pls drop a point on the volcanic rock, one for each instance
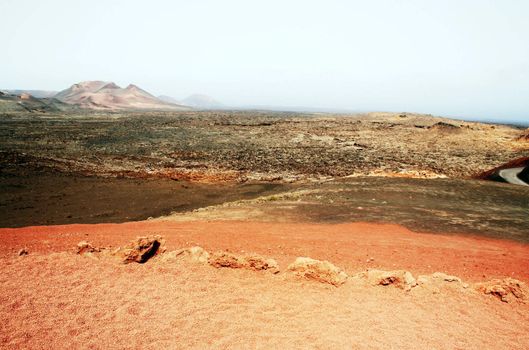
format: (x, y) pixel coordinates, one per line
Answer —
(251, 262)
(85, 247)
(258, 263)
(398, 278)
(224, 259)
(321, 271)
(141, 249)
(507, 289)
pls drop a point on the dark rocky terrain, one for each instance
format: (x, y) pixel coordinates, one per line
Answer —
(59, 168)
(243, 146)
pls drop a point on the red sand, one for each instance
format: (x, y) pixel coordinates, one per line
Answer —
(347, 245)
(52, 299)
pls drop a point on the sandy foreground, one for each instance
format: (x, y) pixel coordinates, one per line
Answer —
(53, 298)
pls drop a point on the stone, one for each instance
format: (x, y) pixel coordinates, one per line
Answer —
(398, 278)
(225, 259)
(507, 289)
(250, 262)
(258, 263)
(84, 247)
(141, 249)
(318, 270)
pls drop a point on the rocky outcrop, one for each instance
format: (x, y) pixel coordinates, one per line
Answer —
(141, 249)
(251, 262)
(398, 278)
(318, 270)
(507, 290)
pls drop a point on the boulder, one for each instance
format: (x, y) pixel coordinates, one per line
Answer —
(251, 262)
(318, 270)
(141, 249)
(507, 289)
(225, 259)
(258, 263)
(398, 278)
(84, 247)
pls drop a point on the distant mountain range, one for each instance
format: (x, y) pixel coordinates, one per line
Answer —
(34, 93)
(108, 95)
(202, 101)
(197, 101)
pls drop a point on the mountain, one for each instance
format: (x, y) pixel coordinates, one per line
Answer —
(108, 95)
(34, 93)
(168, 99)
(202, 102)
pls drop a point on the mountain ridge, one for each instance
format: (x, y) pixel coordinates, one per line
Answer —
(104, 95)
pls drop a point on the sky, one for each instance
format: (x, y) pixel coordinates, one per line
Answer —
(463, 58)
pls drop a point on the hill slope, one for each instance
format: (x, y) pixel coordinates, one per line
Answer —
(34, 93)
(28, 103)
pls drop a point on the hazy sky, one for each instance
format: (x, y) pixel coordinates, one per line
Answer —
(458, 58)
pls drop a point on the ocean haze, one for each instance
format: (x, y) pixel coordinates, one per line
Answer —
(466, 59)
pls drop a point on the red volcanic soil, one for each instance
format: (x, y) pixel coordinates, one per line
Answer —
(55, 299)
(349, 245)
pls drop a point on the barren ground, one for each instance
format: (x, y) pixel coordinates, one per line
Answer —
(53, 298)
(363, 192)
(241, 146)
